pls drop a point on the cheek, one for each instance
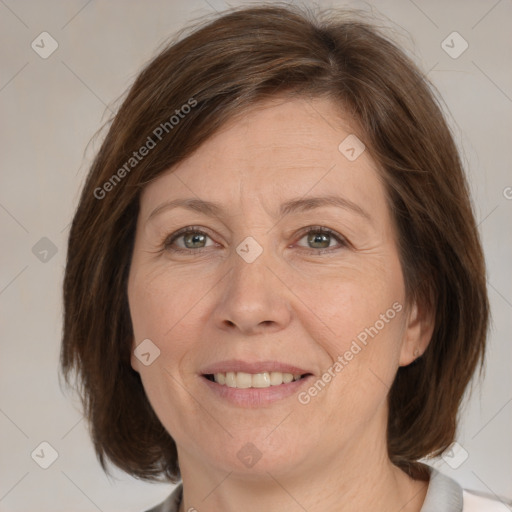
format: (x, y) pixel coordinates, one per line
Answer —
(158, 314)
(361, 317)
(162, 302)
(362, 364)
(356, 305)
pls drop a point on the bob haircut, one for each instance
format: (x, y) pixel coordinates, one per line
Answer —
(181, 98)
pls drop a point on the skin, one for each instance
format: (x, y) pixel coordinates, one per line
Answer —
(293, 304)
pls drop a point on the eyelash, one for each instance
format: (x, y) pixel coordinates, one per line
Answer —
(197, 230)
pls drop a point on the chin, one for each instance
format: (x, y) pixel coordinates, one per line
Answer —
(256, 459)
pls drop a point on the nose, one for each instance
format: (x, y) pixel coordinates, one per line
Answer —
(254, 298)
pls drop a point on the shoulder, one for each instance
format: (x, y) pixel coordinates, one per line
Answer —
(442, 489)
(444, 494)
(474, 502)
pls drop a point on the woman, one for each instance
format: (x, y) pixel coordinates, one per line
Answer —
(275, 289)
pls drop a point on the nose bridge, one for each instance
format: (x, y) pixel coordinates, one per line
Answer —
(253, 296)
(251, 262)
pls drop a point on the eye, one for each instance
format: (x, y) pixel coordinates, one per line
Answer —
(320, 238)
(191, 237)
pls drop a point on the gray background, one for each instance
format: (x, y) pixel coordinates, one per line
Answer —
(51, 108)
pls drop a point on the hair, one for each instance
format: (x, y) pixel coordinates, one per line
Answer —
(219, 70)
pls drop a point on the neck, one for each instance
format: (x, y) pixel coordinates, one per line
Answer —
(350, 481)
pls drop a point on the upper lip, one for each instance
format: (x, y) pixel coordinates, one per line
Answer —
(237, 365)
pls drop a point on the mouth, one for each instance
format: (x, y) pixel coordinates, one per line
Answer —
(254, 384)
(245, 380)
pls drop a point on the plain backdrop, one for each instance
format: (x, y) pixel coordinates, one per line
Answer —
(51, 107)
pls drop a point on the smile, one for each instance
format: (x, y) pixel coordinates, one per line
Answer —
(244, 380)
(254, 383)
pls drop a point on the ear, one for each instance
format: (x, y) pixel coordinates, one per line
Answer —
(417, 333)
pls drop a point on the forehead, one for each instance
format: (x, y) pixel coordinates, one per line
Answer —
(276, 150)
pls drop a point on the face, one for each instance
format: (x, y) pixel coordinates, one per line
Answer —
(266, 276)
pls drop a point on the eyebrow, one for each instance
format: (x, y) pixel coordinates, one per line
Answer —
(290, 206)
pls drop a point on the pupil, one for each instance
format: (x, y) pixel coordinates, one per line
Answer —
(313, 238)
(194, 238)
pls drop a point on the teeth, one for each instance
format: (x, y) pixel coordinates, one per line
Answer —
(276, 378)
(245, 380)
(287, 377)
(230, 379)
(260, 380)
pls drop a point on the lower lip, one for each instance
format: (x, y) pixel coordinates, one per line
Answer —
(256, 397)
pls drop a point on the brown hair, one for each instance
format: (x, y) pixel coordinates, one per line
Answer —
(217, 71)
